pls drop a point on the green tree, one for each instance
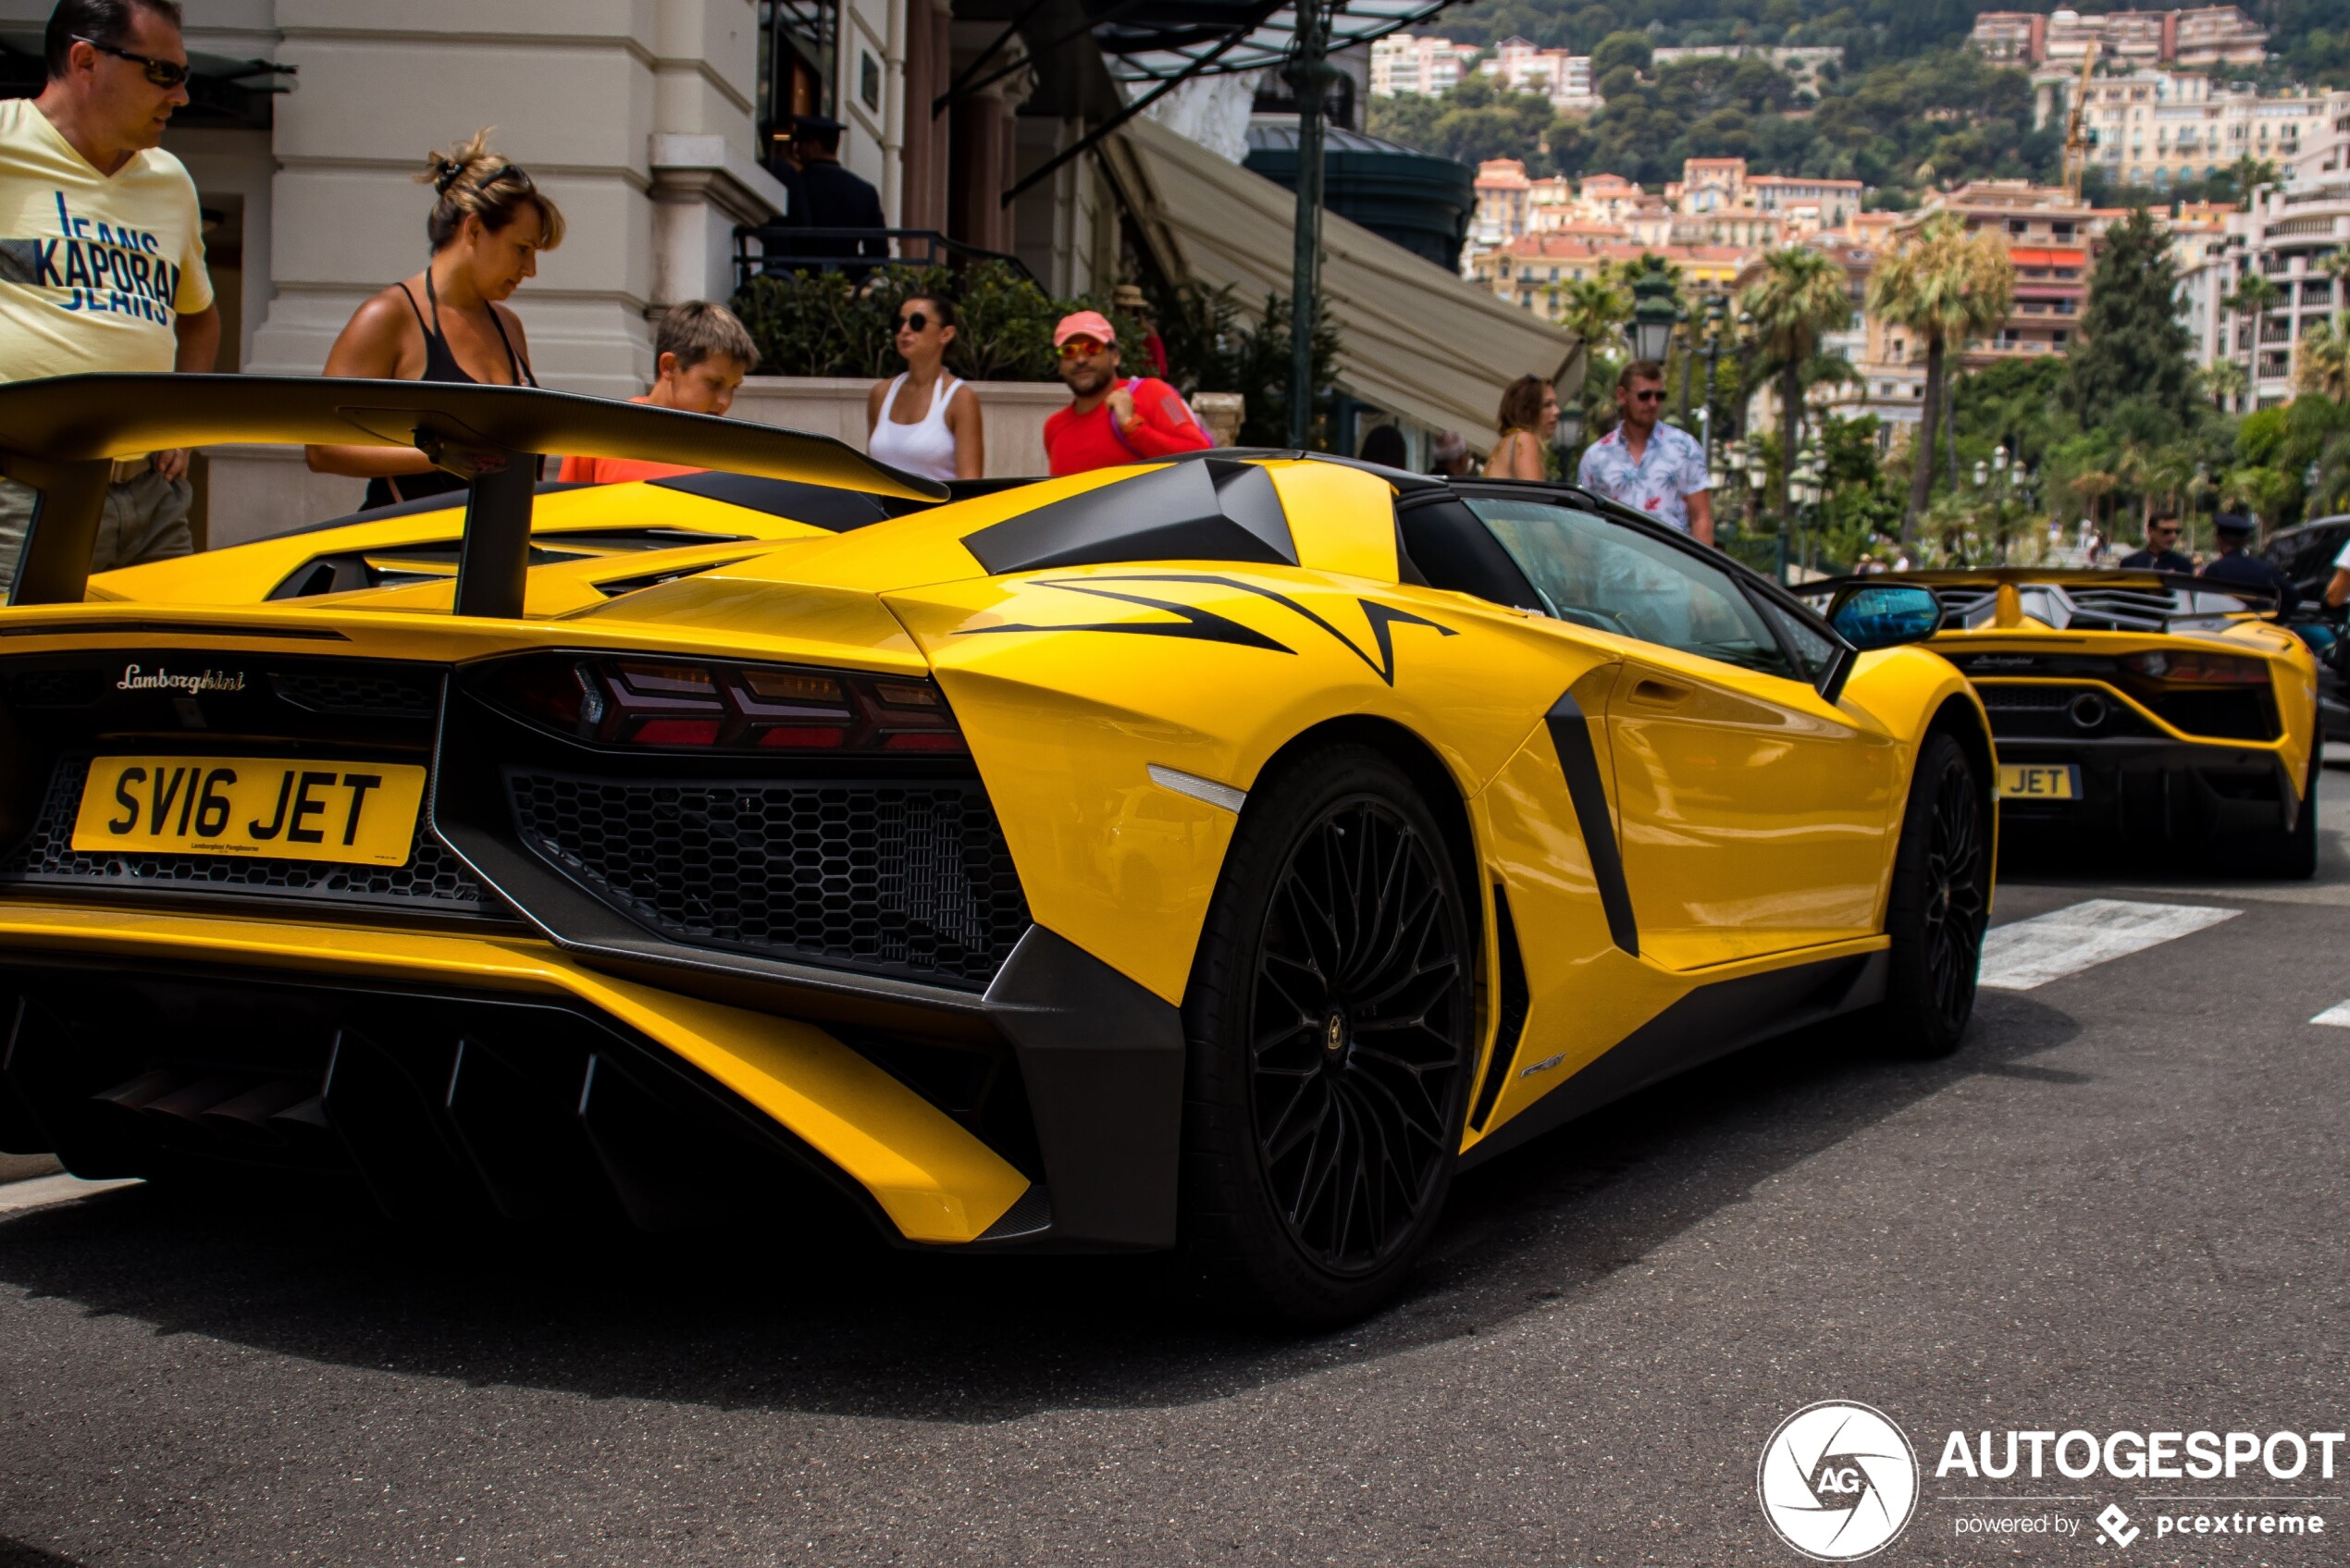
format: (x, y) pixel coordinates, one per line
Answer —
(1943, 287)
(1799, 298)
(1591, 309)
(1618, 49)
(2254, 297)
(2136, 347)
(2321, 360)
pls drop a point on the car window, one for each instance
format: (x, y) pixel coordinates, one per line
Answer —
(1594, 573)
(1812, 650)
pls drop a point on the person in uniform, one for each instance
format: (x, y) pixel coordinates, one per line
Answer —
(832, 197)
(2236, 563)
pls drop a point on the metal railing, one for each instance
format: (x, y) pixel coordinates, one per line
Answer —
(777, 249)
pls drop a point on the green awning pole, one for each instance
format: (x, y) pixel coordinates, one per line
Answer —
(1309, 76)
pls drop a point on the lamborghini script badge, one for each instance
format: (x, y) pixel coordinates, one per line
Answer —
(136, 678)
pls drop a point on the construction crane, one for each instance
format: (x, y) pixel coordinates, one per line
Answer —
(2077, 125)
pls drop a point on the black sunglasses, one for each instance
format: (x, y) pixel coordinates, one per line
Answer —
(1655, 397)
(914, 321)
(163, 73)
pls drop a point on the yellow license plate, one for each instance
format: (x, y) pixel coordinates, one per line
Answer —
(360, 813)
(2039, 781)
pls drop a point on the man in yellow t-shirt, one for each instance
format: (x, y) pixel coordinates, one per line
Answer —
(102, 249)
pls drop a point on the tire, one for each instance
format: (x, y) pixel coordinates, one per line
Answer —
(1939, 906)
(1319, 1136)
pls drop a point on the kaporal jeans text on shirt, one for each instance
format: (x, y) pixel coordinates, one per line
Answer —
(103, 267)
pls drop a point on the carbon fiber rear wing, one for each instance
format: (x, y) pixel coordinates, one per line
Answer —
(61, 436)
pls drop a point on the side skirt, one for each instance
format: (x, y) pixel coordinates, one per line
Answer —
(1708, 1023)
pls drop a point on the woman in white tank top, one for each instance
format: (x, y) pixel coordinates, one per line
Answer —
(923, 422)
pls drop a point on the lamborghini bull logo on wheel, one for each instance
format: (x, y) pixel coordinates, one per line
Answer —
(1839, 1481)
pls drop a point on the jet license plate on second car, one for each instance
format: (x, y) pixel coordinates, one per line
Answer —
(2039, 781)
(359, 813)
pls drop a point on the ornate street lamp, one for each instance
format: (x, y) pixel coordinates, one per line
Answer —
(1570, 433)
(1654, 316)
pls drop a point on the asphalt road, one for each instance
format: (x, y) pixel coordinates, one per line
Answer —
(2119, 1207)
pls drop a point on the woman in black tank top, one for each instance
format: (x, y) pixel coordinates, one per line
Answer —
(486, 229)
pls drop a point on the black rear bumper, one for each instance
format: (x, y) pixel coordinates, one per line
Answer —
(2176, 792)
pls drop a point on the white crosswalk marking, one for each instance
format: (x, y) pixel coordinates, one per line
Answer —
(2338, 1015)
(2064, 942)
(44, 1190)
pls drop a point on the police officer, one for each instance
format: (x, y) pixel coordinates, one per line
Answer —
(834, 197)
(2235, 563)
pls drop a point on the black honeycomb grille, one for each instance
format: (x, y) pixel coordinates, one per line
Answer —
(432, 881)
(910, 878)
(361, 692)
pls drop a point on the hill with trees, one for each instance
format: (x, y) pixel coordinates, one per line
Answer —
(1911, 107)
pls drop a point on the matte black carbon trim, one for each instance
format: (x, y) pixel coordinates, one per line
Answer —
(1207, 625)
(818, 506)
(1197, 624)
(445, 500)
(1212, 511)
(1513, 1000)
(1710, 1021)
(1103, 1062)
(1571, 735)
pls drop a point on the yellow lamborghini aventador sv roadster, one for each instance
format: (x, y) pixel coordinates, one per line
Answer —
(1212, 854)
(2137, 706)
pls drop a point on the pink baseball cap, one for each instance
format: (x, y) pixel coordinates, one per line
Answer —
(1085, 324)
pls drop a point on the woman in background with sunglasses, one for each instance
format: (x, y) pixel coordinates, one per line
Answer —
(1529, 412)
(918, 422)
(447, 322)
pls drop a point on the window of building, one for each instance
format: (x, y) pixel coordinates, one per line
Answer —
(798, 45)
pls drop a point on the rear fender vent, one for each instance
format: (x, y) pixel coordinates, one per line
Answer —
(909, 877)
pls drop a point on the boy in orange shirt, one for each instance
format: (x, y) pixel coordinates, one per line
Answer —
(702, 355)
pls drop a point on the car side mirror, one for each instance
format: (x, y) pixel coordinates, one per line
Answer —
(1887, 615)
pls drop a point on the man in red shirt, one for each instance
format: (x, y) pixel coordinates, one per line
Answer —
(1112, 420)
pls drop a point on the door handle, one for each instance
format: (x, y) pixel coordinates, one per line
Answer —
(1659, 693)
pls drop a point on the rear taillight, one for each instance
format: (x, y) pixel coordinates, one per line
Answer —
(679, 705)
(2201, 668)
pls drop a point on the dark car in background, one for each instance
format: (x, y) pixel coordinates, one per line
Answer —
(2305, 555)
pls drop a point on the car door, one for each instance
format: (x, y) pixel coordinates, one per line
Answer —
(1756, 817)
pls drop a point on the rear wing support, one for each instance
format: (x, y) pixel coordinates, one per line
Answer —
(61, 437)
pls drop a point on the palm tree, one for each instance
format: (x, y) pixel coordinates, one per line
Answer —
(1590, 308)
(2321, 360)
(1799, 298)
(2256, 295)
(1946, 287)
(2225, 380)
(2335, 264)
(2247, 174)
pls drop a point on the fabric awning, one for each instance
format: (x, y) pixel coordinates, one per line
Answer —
(1412, 339)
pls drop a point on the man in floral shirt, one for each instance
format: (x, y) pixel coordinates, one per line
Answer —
(1645, 464)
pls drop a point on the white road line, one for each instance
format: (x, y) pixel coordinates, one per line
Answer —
(2064, 941)
(2338, 1015)
(44, 1190)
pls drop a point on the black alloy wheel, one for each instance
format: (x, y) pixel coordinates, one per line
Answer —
(1957, 895)
(1938, 909)
(1355, 1038)
(1331, 1021)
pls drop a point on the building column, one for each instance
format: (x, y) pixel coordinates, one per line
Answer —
(581, 92)
(985, 140)
(929, 72)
